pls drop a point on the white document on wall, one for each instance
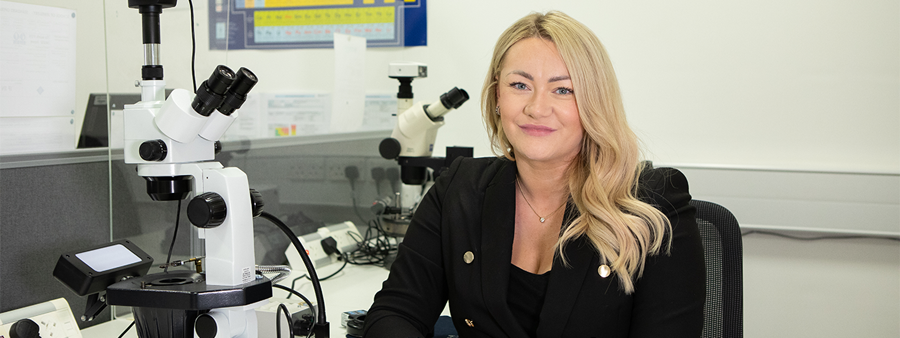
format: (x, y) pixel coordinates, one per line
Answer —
(37, 60)
(29, 135)
(380, 112)
(249, 123)
(349, 83)
(298, 114)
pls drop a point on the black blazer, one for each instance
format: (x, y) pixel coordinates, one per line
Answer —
(471, 208)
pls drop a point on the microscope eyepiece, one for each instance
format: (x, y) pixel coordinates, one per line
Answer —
(211, 92)
(244, 80)
(454, 98)
(220, 79)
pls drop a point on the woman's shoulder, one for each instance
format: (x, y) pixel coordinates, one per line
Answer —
(662, 186)
(481, 171)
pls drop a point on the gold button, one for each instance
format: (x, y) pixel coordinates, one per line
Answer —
(468, 257)
(603, 270)
(470, 323)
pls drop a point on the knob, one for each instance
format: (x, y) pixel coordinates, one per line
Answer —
(256, 202)
(153, 150)
(217, 147)
(207, 210)
(389, 148)
(25, 328)
(205, 326)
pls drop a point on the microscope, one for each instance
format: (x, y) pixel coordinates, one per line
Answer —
(174, 141)
(412, 143)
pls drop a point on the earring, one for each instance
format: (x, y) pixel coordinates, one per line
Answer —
(497, 110)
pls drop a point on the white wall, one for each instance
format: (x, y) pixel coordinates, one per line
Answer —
(789, 85)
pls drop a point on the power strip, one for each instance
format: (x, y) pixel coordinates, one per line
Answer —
(54, 318)
(345, 234)
(266, 315)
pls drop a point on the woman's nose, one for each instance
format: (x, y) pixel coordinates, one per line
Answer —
(538, 105)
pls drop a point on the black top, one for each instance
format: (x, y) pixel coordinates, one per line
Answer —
(526, 297)
(470, 213)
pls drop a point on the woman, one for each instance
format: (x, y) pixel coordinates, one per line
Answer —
(566, 234)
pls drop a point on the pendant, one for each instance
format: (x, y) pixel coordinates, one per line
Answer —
(542, 220)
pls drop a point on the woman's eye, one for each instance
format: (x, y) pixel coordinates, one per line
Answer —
(518, 85)
(563, 90)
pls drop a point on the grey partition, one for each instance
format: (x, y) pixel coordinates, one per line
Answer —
(56, 203)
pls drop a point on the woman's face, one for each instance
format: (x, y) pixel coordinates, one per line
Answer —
(537, 103)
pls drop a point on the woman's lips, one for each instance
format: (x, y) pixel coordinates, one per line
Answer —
(536, 130)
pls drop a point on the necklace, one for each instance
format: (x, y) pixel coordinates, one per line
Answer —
(532, 208)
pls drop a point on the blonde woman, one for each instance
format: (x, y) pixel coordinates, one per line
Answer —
(565, 234)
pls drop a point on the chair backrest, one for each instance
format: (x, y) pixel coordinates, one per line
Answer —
(721, 235)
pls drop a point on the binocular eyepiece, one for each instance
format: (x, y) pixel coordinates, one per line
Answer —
(225, 91)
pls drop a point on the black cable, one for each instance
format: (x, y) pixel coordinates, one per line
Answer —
(355, 209)
(193, 48)
(126, 329)
(293, 283)
(287, 315)
(311, 308)
(317, 288)
(174, 235)
(374, 247)
(816, 238)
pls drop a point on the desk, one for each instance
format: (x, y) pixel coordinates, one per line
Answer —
(351, 289)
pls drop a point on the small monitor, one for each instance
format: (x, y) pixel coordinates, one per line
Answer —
(93, 269)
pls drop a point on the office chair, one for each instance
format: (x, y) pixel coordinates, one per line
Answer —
(721, 235)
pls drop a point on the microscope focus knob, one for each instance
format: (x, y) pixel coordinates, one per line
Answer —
(389, 148)
(206, 326)
(153, 150)
(256, 202)
(25, 328)
(207, 210)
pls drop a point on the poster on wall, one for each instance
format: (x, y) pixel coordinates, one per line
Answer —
(37, 78)
(286, 24)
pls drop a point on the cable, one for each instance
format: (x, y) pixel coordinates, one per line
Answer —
(287, 315)
(374, 248)
(293, 283)
(193, 48)
(174, 235)
(816, 238)
(317, 288)
(333, 273)
(126, 329)
(311, 308)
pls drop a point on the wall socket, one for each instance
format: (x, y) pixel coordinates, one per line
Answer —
(309, 169)
(345, 234)
(335, 168)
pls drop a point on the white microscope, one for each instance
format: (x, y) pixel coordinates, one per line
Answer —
(412, 143)
(173, 141)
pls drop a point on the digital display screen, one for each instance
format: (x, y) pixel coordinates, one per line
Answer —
(108, 258)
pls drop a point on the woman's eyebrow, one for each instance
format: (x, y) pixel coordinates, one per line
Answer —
(523, 74)
(531, 78)
(559, 78)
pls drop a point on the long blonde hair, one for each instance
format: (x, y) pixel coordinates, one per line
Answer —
(603, 178)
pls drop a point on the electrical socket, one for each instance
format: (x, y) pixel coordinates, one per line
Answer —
(309, 169)
(335, 168)
(313, 244)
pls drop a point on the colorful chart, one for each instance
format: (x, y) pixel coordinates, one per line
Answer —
(263, 24)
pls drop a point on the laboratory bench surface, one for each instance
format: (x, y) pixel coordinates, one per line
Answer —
(351, 289)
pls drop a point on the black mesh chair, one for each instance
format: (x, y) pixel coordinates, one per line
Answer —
(723, 313)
